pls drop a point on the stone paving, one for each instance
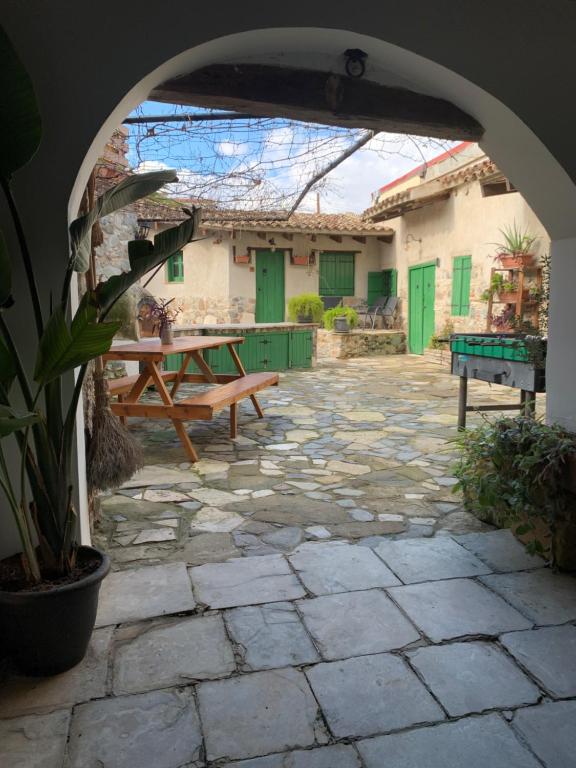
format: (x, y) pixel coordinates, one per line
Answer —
(355, 450)
(446, 652)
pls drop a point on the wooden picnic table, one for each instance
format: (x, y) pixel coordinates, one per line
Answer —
(229, 389)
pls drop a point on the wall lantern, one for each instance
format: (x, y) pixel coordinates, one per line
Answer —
(355, 65)
(144, 227)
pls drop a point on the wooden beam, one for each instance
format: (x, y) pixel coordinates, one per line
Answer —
(261, 235)
(359, 239)
(336, 238)
(288, 236)
(319, 97)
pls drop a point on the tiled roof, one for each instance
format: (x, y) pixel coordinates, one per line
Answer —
(332, 223)
(435, 189)
(157, 208)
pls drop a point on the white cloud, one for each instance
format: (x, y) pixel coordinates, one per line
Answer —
(232, 148)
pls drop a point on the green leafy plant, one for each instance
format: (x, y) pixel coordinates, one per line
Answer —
(305, 305)
(331, 314)
(44, 434)
(508, 287)
(511, 472)
(515, 240)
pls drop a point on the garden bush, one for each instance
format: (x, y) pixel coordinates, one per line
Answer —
(305, 305)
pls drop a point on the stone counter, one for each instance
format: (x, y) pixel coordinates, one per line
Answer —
(359, 343)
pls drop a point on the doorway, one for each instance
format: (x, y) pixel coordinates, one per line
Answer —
(270, 299)
(421, 294)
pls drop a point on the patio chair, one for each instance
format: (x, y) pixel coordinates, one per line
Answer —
(384, 307)
(330, 302)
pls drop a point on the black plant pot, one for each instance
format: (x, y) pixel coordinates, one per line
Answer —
(304, 318)
(45, 633)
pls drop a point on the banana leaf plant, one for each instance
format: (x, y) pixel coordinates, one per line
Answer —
(41, 495)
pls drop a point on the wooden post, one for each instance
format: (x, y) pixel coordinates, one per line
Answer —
(233, 419)
(462, 401)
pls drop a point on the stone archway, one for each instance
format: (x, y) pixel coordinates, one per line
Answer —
(81, 105)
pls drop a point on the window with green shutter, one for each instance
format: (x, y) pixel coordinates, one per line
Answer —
(383, 283)
(175, 268)
(390, 282)
(462, 269)
(336, 273)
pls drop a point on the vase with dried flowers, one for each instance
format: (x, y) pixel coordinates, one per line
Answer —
(164, 316)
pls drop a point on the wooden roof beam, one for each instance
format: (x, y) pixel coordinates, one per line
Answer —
(319, 97)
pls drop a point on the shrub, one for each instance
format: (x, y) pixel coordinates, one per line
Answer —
(511, 472)
(350, 314)
(305, 305)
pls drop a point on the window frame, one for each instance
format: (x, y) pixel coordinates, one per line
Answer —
(171, 276)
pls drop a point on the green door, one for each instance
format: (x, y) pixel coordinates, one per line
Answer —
(270, 301)
(421, 294)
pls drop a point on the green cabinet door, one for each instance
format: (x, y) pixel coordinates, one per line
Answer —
(421, 297)
(270, 300)
(301, 349)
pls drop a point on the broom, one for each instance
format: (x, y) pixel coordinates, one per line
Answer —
(113, 453)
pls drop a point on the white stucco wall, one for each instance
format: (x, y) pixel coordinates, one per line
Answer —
(466, 224)
(218, 290)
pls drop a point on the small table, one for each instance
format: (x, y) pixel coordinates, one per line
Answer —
(151, 354)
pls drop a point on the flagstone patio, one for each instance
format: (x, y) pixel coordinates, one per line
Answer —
(440, 652)
(312, 595)
(355, 450)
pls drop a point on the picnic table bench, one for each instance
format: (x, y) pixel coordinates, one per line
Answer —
(230, 389)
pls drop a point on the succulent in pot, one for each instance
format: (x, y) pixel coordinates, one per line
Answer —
(515, 251)
(49, 589)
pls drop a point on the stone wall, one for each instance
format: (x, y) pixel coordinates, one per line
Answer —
(360, 344)
(208, 310)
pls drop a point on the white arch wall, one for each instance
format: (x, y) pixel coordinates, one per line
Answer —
(91, 64)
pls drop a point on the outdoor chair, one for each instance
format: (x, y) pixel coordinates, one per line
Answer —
(330, 302)
(384, 307)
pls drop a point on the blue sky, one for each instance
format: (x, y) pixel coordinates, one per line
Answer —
(264, 165)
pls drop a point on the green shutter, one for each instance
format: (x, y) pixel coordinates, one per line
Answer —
(462, 269)
(393, 282)
(376, 283)
(465, 293)
(336, 274)
(175, 268)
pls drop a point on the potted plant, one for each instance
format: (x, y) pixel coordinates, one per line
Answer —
(508, 292)
(164, 319)
(506, 321)
(49, 590)
(519, 473)
(515, 252)
(299, 261)
(305, 308)
(348, 315)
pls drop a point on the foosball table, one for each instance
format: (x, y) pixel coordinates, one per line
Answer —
(508, 359)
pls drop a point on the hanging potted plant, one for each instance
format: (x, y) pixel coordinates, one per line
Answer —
(516, 250)
(49, 589)
(305, 308)
(164, 318)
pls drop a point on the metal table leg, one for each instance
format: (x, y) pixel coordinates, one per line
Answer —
(462, 402)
